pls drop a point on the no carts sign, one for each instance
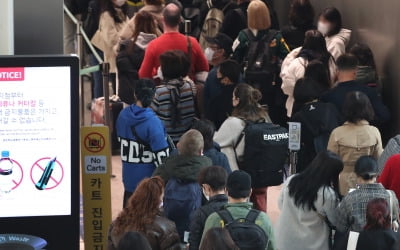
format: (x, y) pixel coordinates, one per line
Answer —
(96, 164)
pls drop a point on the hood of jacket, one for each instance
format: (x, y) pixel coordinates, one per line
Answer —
(139, 115)
(144, 39)
(186, 167)
(289, 59)
(343, 35)
(366, 75)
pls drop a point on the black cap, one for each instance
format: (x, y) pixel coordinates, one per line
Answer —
(366, 167)
(239, 184)
(223, 41)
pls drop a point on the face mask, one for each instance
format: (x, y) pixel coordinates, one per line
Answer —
(206, 196)
(119, 3)
(209, 54)
(323, 28)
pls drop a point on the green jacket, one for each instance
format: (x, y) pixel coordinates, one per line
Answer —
(182, 167)
(278, 46)
(239, 211)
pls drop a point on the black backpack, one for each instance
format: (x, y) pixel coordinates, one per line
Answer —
(265, 153)
(246, 234)
(260, 66)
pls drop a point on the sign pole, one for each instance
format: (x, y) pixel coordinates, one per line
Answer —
(96, 185)
(294, 145)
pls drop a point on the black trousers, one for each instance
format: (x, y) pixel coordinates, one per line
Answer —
(127, 195)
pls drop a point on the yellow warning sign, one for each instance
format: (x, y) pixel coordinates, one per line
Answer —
(96, 186)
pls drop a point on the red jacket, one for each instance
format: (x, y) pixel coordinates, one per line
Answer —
(172, 41)
(390, 177)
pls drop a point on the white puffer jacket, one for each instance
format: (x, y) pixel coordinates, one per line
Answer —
(336, 44)
(293, 69)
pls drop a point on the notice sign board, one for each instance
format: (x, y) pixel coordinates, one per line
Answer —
(96, 186)
(35, 163)
(39, 148)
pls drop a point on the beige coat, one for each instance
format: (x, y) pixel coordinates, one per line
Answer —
(106, 38)
(350, 142)
(156, 11)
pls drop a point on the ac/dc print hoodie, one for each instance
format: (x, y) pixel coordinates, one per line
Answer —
(143, 144)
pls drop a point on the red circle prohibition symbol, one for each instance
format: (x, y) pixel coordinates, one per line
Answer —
(41, 165)
(17, 183)
(94, 142)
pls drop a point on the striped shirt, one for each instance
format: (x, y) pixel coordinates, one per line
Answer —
(183, 93)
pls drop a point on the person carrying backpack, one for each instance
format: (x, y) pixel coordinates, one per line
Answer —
(260, 50)
(213, 20)
(317, 120)
(213, 182)
(252, 143)
(183, 194)
(250, 229)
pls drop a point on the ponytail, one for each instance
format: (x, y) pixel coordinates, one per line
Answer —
(378, 215)
(256, 96)
(144, 92)
(249, 107)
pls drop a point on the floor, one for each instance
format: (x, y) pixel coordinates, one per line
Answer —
(117, 191)
(117, 187)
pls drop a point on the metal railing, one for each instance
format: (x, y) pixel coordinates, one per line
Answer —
(103, 67)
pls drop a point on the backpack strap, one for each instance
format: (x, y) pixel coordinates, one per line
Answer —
(226, 216)
(189, 48)
(241, 14)
(138, 139)
(241, 135)
(226, 7)
(249, 34)
(252, 216)
(209, 4)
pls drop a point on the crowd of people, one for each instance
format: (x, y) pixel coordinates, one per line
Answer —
(204, 130)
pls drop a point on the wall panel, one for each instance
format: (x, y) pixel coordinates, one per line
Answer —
(376, 23)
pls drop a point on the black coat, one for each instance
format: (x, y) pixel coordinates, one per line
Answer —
(338, 95)
(293, 36)
(372, 240)
(200, 216)
(129, 60)
(316, 119)
(220, 106)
